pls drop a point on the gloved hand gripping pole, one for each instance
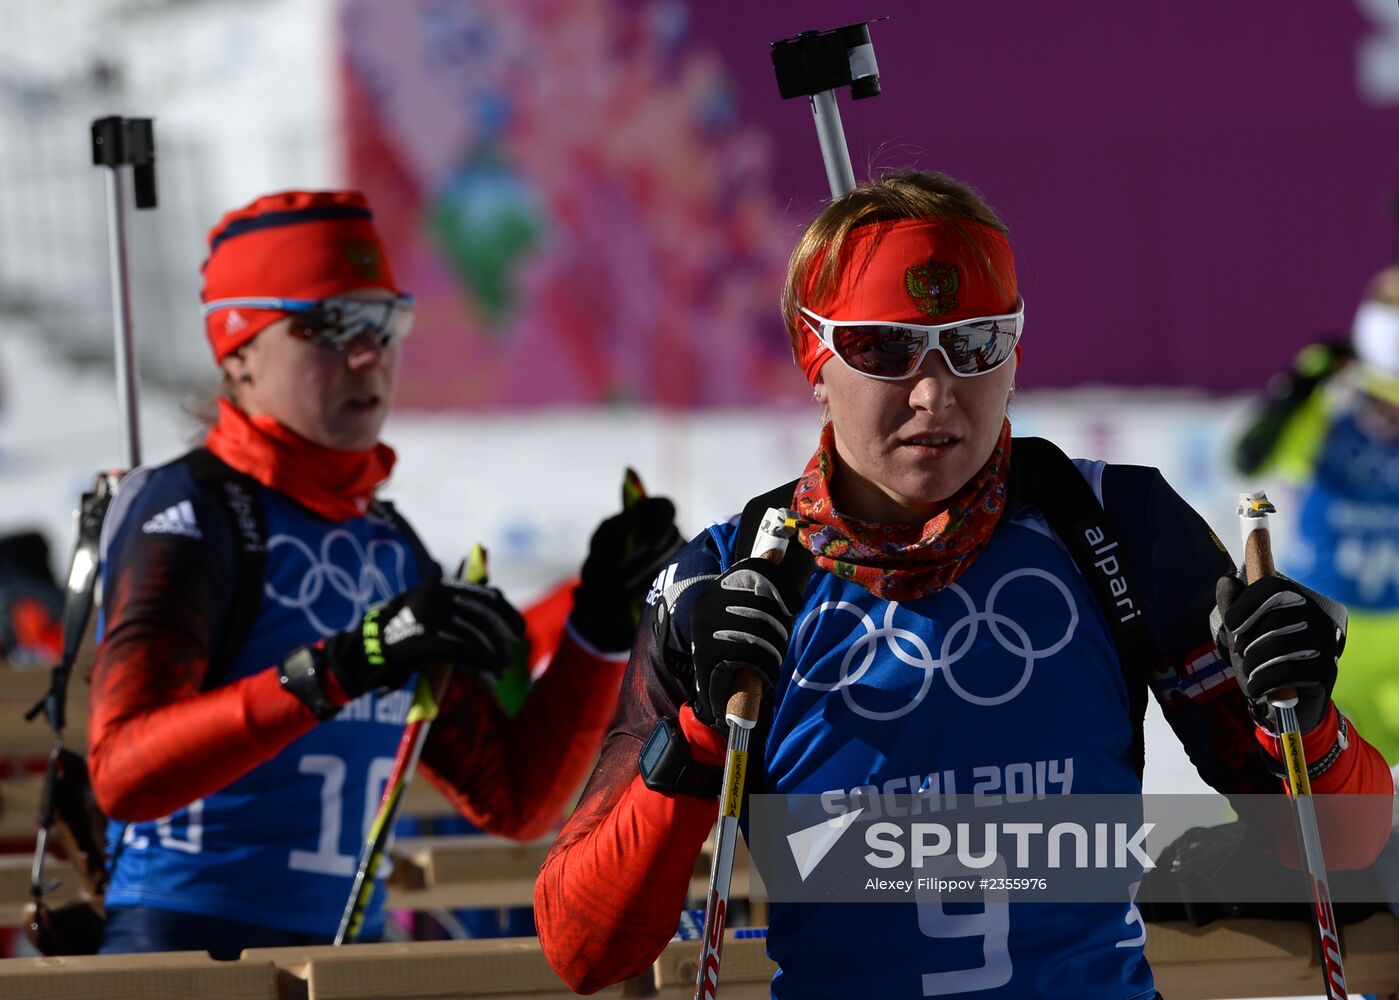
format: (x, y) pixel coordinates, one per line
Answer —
(1254, 509)
(775, 532)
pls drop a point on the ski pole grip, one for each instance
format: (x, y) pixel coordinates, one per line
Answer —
(1254, 509)
(746, 698)
(1258, 555)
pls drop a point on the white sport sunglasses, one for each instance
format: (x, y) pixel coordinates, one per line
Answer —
(891, 352)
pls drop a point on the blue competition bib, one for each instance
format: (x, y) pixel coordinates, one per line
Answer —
(279, 846)
(1004, 683)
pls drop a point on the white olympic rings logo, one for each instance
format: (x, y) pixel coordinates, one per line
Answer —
(358, 589)
(956, 642)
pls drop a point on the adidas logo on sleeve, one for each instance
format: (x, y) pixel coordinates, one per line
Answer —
(176, 520)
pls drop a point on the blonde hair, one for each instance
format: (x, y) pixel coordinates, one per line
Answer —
(814, 267)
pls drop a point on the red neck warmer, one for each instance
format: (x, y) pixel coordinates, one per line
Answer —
(337, 485)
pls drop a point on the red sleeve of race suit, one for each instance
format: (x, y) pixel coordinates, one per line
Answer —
(610, 893)
(514, 776)
(1353, 830)
(625, 860)
(156, 740)
(1181, 561)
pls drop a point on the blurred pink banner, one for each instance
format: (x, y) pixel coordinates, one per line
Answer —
(594, 199)
(568, 190)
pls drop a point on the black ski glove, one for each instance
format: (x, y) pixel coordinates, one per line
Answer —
(466, 625)
(741, 620)
(1277, 634)
(627, 552)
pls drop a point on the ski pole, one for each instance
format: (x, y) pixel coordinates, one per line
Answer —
(812, 65)
(431, 687)
(1254, 509)
(778, 528)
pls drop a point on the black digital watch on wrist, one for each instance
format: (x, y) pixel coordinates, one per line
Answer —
(300, 675)
(666, 765)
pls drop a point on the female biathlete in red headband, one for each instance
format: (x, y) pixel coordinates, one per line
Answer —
(265, 618)
(945, 636)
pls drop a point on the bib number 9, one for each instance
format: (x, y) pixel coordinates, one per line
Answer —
(991, 925)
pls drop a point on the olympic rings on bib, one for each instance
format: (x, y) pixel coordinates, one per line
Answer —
(328, 590)
(910, 648)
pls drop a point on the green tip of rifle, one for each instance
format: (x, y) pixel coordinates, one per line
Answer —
(633, 491)
(476, 568)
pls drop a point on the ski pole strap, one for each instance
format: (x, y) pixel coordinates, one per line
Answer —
(1323, 763)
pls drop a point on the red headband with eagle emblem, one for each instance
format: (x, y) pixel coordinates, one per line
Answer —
(918, 271)
(290, 245)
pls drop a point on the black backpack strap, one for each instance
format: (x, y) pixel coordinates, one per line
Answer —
(248, 522)
(1046, 478)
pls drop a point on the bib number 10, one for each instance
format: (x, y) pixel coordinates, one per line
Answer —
(327, 858)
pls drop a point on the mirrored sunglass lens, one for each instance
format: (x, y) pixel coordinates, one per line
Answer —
(400, 322)
(387, 320)
(313, 325)
(363, 318)
(343, 322)
(886, 351)
(973, 348)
